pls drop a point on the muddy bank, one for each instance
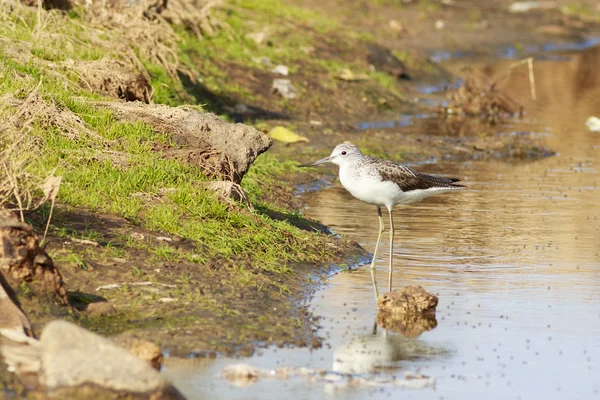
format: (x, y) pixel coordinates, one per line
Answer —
(119, 284)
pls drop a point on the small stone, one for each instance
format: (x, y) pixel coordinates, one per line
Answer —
(408, 300)
(285, 88)
(100, 308)
(281, 70)
(396, 26)
(241, 374)
(143, 349)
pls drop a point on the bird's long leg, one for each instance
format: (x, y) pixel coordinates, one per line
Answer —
(381, 229)
(391, 247)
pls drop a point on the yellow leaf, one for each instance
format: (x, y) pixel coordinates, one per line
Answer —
(285, 135)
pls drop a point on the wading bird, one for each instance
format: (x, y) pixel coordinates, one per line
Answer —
(383, 183)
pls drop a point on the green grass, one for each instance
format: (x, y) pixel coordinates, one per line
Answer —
(117, 170)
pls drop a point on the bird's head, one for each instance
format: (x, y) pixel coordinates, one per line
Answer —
(341, 154)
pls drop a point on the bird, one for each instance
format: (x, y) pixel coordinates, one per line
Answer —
(383, 183)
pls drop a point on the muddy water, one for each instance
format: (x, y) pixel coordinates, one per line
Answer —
(515, 260)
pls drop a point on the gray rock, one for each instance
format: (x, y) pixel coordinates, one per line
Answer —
(285, 88)
(72, 356)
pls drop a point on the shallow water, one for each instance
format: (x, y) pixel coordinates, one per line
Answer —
(515, 260)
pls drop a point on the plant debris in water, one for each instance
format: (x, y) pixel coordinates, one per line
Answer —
(479, 97)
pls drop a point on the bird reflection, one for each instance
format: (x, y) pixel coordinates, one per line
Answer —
(385, 348)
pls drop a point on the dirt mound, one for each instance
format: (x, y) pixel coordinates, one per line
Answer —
(408, 300)
(22, 260)
(115, 79)
(221, 149)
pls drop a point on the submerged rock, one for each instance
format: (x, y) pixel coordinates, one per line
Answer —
(408, 300)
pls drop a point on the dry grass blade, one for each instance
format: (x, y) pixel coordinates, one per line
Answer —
(18, 149)
(50, 187)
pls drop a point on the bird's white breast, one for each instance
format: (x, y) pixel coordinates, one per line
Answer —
(371, 189)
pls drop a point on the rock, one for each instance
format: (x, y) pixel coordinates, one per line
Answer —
(100, 308)
(382, 59)
(143, 349)
(241, 374)
(23, 260)
(396, 26)
(439, 24)
(285, 88)
(281, 70)
(408, 300)
(221, 149)
(409, 325)
(115, 79)
(73, 358)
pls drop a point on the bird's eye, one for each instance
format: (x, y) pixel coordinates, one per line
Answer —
(344, 153)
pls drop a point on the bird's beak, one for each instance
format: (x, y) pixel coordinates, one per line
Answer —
(321, 161)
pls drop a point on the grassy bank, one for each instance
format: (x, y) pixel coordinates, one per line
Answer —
(149, 217)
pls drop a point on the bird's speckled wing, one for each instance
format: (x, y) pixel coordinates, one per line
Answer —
(408, 179)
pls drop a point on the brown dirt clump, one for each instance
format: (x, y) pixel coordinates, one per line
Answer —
(115, 79)
(22, 260)
(408, 300)
(222, 150)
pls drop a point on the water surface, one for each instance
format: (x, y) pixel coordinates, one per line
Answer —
(515, 260)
